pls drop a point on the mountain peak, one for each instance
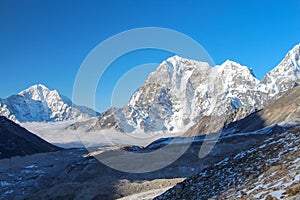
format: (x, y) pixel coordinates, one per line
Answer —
(297, 46)
(233, 64)
(233, 67)
(175, 57)
(294, 52)
(283, 77)
(175, 61)
(182, 65)
(39, 103)
(37, 87)
(38, 92)
(178, 59)
(230, 62)
(40, 85)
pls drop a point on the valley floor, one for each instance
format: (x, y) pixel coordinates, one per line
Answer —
(57, 134)
(251, 165)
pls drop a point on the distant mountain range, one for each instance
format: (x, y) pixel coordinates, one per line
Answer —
(38, 103)
(175, 97)
(182, 92)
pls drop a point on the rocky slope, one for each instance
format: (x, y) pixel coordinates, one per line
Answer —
(17, 141)
(278, 110)
(286, 108)
(38, 103)
(269, 169)
(181, 92)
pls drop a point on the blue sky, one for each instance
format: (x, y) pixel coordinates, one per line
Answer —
(46, 41)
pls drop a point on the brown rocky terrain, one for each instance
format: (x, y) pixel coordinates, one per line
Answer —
(269, 169)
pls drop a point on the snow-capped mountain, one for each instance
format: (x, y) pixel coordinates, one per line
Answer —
(181, 92)
(38, 103)
(283, 77)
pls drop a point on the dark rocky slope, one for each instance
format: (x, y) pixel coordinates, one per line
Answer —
(17, 141)
(269, 169)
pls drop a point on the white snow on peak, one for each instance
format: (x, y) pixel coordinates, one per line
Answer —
(39, 103)
(283, 77)
(175, 57)
(36, 92)
(179, 63)
(231, 62)
(232, 65)
(181, 91)
(232, 69)
(173, 98)
(296, 48)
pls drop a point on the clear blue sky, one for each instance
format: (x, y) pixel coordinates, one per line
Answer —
(46, 41)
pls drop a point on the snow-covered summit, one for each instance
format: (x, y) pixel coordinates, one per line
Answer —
(38, 92)
(182, 91)
(283, 77)
(230, 65)
(39, 103)
(230, 69)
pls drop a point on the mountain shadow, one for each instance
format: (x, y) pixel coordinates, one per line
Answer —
(17, 141)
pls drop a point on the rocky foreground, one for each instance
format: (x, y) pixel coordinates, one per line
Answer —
(268, 170)
(256, 164)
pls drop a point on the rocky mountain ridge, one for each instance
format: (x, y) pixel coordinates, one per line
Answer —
(180, 92)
